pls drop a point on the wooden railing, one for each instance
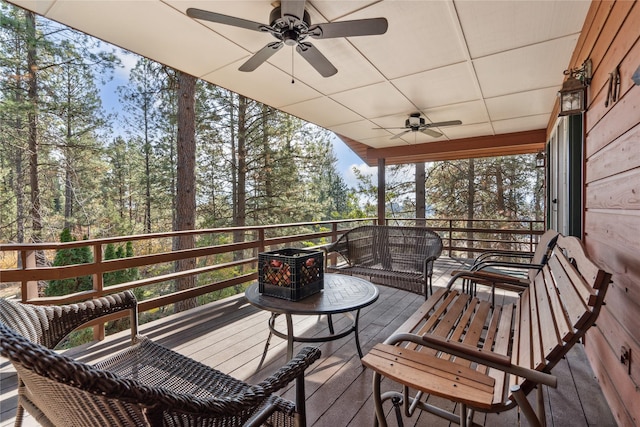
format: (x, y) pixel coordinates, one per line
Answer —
(222, 263)
(463, 238)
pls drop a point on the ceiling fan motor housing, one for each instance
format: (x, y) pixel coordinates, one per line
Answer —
(278, 21)
(414, 121)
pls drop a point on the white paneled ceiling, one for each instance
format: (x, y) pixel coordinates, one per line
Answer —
(494, 65)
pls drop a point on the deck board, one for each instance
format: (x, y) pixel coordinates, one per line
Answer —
(230, 335)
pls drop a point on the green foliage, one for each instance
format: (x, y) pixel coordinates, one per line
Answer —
(120, 276)
(71, 256)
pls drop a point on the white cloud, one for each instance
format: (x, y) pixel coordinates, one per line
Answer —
(364, 169)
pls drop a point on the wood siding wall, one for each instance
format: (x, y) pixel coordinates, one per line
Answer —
(611, 38)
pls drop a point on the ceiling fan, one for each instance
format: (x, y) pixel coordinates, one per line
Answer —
(290, 24)
(415, 123)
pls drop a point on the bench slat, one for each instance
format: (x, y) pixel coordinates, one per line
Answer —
(565, 329)
(423, 311)
(516, 346)
(584, 289)
(473, 335)
(461, 327)
(577, 311)
(547, 319)
(433, 320)
(499, 337)
(537, 357)
(446, 379)
(575, 251)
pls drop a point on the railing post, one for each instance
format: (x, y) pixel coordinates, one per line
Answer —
(450, 238)
(29, 287)
(261, 239)
(334, 236)
(531, 237)
(98, 285)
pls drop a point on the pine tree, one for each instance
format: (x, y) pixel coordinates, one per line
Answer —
(72, 256)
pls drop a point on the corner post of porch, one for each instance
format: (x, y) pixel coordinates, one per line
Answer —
(381, 192)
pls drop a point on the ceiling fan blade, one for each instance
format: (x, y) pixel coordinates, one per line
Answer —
(260, 56)
(440, 124)
(292, 8)
(316, 59)
(403, 127)
(224, 19)
(400, 134)
(431, 132)
(358, 27)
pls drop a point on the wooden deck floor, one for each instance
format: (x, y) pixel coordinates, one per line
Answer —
(230, 335)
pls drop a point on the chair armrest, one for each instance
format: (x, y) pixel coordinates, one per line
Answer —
(292, 370)
(63, 319)
(505, 254)
(494, 280)
(491, 277)
(506, 264)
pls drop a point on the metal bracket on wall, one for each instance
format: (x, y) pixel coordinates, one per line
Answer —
(625, 358)
(614, 87)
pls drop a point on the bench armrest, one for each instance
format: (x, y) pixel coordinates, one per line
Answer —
(497, 361)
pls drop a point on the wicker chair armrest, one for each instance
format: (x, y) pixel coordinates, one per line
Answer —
(339, 247)
(48, 325)
(73, 316)
(292, 370)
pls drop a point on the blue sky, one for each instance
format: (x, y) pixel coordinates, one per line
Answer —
(347, 159)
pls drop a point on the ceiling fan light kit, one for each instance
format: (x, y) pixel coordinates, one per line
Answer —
(290, 24)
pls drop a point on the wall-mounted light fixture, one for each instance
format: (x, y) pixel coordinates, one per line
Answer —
(573, 95)
(540, 159)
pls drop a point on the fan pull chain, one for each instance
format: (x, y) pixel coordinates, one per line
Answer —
(292, 80)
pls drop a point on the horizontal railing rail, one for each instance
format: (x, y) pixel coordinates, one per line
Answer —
(220, 262)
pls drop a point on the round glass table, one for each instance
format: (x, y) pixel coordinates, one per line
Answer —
(342, 294)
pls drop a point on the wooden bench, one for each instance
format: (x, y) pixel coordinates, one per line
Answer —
(488, 358)
(401, 257)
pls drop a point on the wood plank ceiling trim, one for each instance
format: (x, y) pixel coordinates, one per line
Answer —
(483, 146)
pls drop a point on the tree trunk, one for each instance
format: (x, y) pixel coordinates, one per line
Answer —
(147, 168)
(185, 183)
(19, 181)
(500, 204)
(241, 199)
(32, 94)
(420, 194)
(471, 193)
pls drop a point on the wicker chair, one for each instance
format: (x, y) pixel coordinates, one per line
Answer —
(146, 384)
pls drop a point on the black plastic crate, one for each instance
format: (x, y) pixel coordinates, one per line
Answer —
(291, 274)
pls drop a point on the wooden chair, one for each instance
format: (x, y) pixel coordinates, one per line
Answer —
(488, 358)
(146, 384)
(519, 265)
(517, 272)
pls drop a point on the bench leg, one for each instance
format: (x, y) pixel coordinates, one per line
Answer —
(525, 406)
(377, 402)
